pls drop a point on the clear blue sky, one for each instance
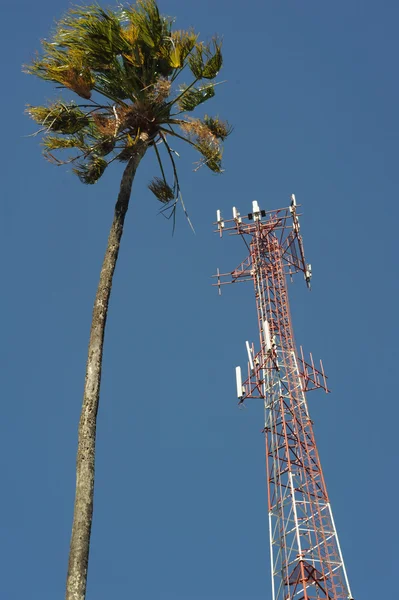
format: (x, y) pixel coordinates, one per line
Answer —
(180, 507)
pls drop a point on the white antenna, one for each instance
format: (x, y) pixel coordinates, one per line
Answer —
(251, 363)
(219, 221)
(266, 334)
(308, 274)
(293, 205)
(240, 389)
(236, 215)
(255, 210)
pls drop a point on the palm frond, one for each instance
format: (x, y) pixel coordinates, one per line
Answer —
(151, 26)
(161, 190)
(185, 42)
(94, 31)
(206, 60)
(105, 123)
(114, 84)
(162, 89)
(91, 171)
(62, 117)
(206, 142)
(212, 156)
(220, 129)
(176, 47)
(197, 129)
(65, 67)
(190, 98)
(54, 142)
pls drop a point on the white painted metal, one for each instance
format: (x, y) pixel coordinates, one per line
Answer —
(266, 334)
(350, 597)
(236, 215)
(251, 363)
(271, 555)
(239, 382)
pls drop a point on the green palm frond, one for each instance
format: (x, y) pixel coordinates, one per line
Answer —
(91, 171)
(95, 32)
(190, 98)
(150, 35)
(185, 41)
(220, 129)
(55, 142)
(206, 60)
(212, 155)
(152, 27)
(114, 85)
(162, 190)
(59, 116)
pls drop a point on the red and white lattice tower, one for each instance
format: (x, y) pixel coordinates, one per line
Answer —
(306, 558)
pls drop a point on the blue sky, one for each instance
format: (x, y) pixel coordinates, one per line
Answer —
(180, 507)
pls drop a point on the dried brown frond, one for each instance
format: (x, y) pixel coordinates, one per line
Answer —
(195, 128)
(105, 123)
(206, 142)
(79, 81)
(162, 89)
(138, 117)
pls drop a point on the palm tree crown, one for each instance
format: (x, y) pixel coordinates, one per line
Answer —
(125, 65)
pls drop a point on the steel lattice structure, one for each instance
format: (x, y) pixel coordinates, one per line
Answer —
(306, 559)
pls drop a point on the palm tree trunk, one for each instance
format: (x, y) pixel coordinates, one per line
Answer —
(83, 511)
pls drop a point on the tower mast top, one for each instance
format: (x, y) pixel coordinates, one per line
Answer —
(283, 223)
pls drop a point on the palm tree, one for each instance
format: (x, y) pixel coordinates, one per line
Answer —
(125, 65)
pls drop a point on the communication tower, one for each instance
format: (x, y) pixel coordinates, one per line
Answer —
(306, 557)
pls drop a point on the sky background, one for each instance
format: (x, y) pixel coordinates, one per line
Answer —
(180, 507)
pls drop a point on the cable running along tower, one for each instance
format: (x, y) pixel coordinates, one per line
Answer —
(306, 558)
